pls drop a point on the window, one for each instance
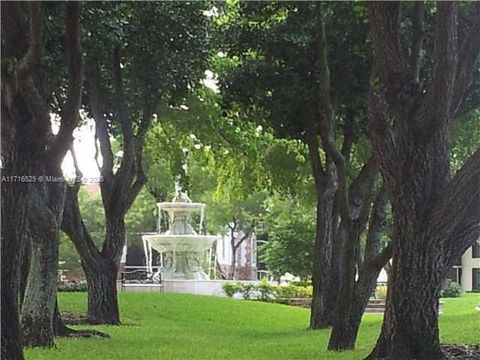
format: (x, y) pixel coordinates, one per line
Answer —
(476, 251)
(454, 274)
(476, 279)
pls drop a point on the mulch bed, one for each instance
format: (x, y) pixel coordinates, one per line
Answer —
(462, 352)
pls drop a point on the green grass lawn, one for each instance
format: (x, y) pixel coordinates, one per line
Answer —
(175, 326)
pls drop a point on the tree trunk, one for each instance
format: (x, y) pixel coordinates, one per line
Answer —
(323, 306)
(354, 294)
(410, 327)
(233, 264)
(342, 326)
(102, 292)
(14, 200)
(100, 267)
(38, 307)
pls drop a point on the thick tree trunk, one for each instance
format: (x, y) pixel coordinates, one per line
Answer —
(434, 219)
(38, 307)
(14, 200)
(410, 327)
(102, 292)
(14, 204)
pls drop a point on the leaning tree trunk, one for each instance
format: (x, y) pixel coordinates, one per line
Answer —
(100, 267)
(38, 306)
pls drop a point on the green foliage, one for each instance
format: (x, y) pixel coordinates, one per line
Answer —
(381, 292)
(269, 70)
(291, 234)
(451, 289)
(231, 289)
(294, 291)
(266, 290)
(246, 290)
(465, 139)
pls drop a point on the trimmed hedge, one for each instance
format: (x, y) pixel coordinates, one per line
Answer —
(265, 291)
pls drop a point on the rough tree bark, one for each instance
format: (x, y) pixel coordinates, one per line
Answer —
(322, 306)
(46, 201)
(32, 150)
(435, 219)
(118, 189)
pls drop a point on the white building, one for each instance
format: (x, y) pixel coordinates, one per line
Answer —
(467, 270)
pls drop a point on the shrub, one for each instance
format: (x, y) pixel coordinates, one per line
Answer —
(247, 290)
(451, 289)
(381, 292)
(294, 291)
(266, 290)
(231, 289)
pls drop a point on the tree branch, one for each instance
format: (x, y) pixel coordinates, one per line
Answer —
(327, 115)
(456, 216)
(140, 177)
(27, 66)
(385, 25)
(439, 95)
(377, 224)
(125, 174)
(467, 58)
(69, 115)
(33, 56)
(101, 127)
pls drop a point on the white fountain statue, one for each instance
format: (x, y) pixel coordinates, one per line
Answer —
(181, 248)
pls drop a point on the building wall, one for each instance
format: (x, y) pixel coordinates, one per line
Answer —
(246, 257)
(468, 264)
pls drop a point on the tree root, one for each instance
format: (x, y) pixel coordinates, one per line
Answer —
(83, 333)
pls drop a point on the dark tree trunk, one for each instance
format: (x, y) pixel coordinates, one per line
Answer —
(14, 205)
(342, 325)
(31, 208)
(100, 267)
(102, 292)
(233, 263)
(354, 294)
(324, 291)
(435, 219)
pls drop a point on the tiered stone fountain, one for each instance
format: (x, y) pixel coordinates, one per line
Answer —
(181, 248)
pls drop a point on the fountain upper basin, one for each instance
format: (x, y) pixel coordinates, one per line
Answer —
(180, 243)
